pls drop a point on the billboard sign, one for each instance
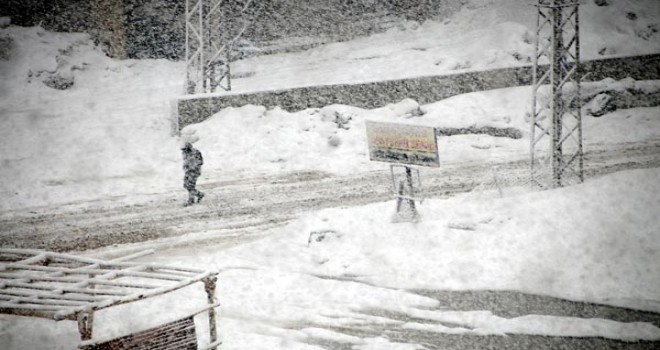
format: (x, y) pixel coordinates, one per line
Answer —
(402, 143)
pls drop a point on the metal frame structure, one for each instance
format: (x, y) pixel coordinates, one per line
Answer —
(209, 42)
(67, 287)
(405, 193)
(556, 116)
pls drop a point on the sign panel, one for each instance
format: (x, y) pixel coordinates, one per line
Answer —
(401, 143)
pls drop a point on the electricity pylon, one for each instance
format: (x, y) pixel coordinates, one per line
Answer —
(210, 36)
(556, 117)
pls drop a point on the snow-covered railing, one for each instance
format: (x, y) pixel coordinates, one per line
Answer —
(62, 286)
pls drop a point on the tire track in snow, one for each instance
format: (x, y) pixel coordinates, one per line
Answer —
(229, 205)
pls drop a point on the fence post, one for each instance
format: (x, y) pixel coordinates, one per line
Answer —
(209, 287)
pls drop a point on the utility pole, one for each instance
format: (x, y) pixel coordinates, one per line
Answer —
(556, 116)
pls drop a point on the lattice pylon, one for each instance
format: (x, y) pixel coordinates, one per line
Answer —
(210, 36)
(207, 49)
(556, 116)
(195, 42)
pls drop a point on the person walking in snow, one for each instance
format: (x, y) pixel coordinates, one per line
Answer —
(192, 166)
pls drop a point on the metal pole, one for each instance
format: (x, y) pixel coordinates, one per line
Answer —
(85, 324)
(209, 287)
(229, 68)
(189, 88)
(532, 116)
(411, 201)
(557, 95)
(578, 80)
(202, 31)
(209, 68)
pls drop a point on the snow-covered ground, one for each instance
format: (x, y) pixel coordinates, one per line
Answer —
(485, 34)
(595, 242)
(110, 134)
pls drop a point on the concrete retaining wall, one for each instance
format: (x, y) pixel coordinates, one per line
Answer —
(423, 89)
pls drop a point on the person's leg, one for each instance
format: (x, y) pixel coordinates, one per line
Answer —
(189, 184)
(193, 184)
(199, 194)
(191, 197)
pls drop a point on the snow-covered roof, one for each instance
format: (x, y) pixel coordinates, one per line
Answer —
(60, 286)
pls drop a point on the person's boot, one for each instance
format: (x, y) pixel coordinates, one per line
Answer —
(191, 200)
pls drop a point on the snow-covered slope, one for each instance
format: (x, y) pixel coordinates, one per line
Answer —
(484, 34)
(107, 133)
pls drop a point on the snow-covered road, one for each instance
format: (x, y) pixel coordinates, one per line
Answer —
(241, 210)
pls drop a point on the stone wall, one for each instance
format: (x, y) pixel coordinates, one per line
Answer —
(423, 89)
(156, 28)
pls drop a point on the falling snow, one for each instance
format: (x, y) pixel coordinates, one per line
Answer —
(299, 222)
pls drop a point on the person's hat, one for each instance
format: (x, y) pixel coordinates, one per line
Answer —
(186, 146)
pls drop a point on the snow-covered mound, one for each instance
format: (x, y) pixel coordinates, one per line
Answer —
(76, 124)
(523, 242)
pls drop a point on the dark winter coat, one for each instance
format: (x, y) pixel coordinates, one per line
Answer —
(192, 161)
(192, 165)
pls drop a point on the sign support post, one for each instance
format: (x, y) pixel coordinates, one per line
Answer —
(405, 193)
(405, 145)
